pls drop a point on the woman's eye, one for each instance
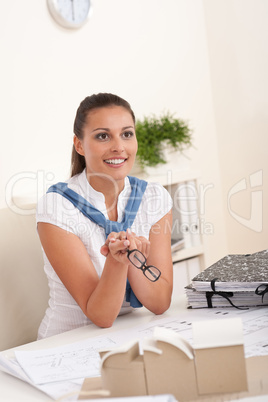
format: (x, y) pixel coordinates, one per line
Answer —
(128, 134)
(102, 136)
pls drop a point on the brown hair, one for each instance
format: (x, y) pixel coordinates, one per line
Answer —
(95, 101)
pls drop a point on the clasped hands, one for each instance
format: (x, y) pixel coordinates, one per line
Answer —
(118, 243)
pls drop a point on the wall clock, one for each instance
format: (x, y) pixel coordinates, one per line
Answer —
(70, 13)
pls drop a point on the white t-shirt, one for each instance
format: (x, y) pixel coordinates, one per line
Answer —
(63, 313)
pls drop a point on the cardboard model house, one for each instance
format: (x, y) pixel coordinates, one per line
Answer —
(122, 371)
(219, 356)
(169, 364)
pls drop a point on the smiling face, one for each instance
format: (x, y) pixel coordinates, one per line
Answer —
(109, 143)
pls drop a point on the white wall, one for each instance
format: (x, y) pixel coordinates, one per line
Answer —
(153, 53)
(237, 32)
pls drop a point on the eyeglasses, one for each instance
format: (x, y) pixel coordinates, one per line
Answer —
(139, 261)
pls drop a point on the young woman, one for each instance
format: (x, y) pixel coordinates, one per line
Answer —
(88, 265)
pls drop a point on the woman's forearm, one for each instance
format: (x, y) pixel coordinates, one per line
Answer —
(155, 296)
(106, 300)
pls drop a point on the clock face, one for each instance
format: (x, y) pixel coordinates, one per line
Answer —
(70, 13)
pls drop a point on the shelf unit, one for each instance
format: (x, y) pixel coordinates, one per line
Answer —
(188, 252)
(169, 179)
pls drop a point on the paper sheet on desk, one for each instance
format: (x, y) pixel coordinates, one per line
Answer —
(77, 360)
(54, 390)
(255, 326)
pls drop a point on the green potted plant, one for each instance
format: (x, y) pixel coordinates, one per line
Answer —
(156, 134)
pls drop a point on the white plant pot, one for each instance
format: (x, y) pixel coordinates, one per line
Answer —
(176, 161)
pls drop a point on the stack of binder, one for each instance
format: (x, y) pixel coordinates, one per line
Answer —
(236, 280)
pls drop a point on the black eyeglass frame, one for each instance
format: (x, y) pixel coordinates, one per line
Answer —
(145, 268)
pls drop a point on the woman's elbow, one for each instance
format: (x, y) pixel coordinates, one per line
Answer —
(103, 323)
(161, 308)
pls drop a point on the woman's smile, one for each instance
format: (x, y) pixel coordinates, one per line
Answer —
(115, 162)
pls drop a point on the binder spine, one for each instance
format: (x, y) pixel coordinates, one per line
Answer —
(181, 206)
(193, 210)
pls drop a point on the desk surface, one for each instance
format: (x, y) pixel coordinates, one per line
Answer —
(12, 389)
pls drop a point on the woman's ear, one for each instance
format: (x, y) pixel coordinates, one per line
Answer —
(78, 146)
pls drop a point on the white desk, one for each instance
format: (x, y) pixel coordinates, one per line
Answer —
(12, 389)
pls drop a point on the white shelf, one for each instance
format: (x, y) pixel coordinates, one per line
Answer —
(170, 176)
(185, 253)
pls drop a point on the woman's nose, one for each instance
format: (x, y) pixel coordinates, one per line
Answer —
(117, 145)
